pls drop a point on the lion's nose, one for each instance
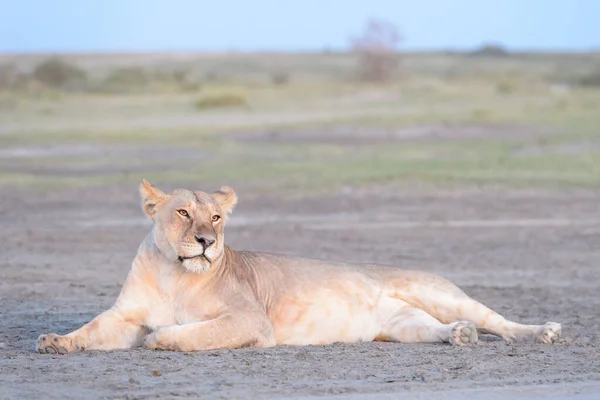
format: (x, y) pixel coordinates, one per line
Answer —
(205, 242)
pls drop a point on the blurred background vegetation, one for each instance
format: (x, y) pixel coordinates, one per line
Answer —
(303, 121)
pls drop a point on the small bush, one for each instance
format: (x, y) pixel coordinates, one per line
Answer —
(590, 80)
(506, 87)
(126, 79)
(279, 78)
(185, 80)
(491, 50)
(221, 100)
(180, 76)
(57, 73)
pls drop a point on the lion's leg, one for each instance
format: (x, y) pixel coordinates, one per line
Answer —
(489, 321)
(224, 332)
(413, 325)
(448, 303)
(108, 331)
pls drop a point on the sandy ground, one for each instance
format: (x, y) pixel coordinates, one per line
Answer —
(532, 256)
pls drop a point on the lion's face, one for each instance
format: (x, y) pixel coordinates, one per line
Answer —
(188, 225)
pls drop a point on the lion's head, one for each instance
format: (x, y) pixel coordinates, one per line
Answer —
(188, 225)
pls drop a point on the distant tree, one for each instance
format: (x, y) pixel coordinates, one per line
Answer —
(376, 50)
(57, 73)
(491, 50)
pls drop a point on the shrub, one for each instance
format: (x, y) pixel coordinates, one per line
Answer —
(491, 50)
(221, 100)
(376, 51)
(126, 78)
(591, 80)
(185, 80)
(57, 73)
(506, 87)
(280, 78)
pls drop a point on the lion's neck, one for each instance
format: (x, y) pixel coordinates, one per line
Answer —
(237, 268)
(241, 267)
(229, 262)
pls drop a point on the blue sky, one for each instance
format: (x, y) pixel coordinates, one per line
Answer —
(156, 25)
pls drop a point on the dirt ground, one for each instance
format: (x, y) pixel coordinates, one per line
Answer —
(66, 244)
(531, 255)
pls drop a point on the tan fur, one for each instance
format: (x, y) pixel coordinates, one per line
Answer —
(187, 291)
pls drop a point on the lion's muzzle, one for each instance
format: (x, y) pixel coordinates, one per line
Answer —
(205, 241)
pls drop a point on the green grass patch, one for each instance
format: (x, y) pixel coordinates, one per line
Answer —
(328, 167)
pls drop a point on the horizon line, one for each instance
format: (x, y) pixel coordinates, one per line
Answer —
(324, 50)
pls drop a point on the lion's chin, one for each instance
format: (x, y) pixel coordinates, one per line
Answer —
(199, 264)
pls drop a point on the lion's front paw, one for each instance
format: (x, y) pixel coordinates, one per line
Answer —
(154, 342)
(463, 333)
(55, 344)
(150, 342)
(548, 333)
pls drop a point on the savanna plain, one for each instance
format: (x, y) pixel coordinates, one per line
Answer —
(482, 168)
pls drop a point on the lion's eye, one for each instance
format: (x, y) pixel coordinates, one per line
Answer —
(215, 218)
(183, 213)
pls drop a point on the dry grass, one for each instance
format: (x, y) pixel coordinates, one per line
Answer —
(532, 92)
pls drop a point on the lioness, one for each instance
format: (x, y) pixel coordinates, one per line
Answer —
(188, 291)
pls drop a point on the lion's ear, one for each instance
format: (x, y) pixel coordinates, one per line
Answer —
(226, 199)
(151, 196)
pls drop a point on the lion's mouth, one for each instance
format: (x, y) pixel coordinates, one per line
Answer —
(183, 258)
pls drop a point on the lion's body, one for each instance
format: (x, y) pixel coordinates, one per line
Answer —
(177, 297)
(307, 301)
(318, 302)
